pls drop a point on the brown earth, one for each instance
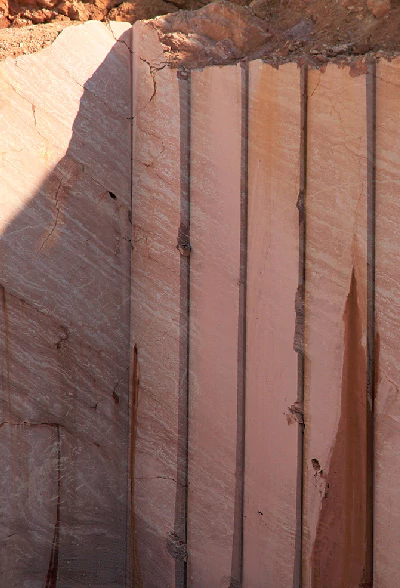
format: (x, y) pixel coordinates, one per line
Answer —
(274, 29)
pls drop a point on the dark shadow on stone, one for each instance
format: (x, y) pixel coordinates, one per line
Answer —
(64, 354)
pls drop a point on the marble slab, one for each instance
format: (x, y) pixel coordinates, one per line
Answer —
(156, 334)
(65, 246)
(214, 324)
(335, 451)
(272, 280)
(387, 424)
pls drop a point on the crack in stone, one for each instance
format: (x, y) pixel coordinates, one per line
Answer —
(118, 40)
(317, 86)
(57, 205)
(30, 424)
(34, 114)
(33, 106)
(153, 69)
(155, 159)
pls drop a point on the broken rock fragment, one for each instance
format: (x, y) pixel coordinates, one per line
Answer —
(379, 8)
(215, 34)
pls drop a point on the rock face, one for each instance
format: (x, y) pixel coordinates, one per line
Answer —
(187, 384)
(157, 329)
(335, 452)
(189, 398)
(65, 303)
(387, 508)
(272, 280)
(243, 525)
(213, 529)
(217, 33)
(379, 8)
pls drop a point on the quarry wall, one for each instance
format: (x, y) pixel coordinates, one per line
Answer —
(65, 295)
(199, 359)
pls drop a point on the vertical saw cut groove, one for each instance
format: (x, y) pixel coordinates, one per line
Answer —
(184, 248)
(300, 325)
(371, 232)
(237, 551)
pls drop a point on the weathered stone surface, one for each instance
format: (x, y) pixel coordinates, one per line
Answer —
(157, 487)
(387, 497)
(65, 172)
(29, 501)
(214, 319)
(272, 279)
(218, 33)
(335, 509)
(379, 8)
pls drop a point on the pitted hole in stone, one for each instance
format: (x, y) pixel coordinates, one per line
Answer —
(316, 465)
(112, 195)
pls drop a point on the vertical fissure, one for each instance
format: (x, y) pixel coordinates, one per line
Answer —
(300, 325)
(371, 330)
(184, 248)
(238, 539)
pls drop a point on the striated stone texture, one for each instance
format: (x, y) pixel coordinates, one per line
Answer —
(272, 279)
(335, 454)
(97, 490)
(64, 321)
(387, 497)
(214, 521)
(217, 33)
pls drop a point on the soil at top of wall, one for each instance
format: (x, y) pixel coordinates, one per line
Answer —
(276, 30)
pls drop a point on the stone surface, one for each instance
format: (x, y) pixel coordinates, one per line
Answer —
(75, 450)
(214, 319)
(156, 332)
(65, 299)
(272, 279)
(335, 509)
(221, 32)
(387, 499)
(379, 8)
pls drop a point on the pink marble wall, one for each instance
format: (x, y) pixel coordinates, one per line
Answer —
(65, 249)
(155, 310)
(272, 279)
(334, 515)
(122, 408)
(387, 499)
(245, 528)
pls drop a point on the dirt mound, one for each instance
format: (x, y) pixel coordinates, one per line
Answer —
(285, 30)
(277, 30)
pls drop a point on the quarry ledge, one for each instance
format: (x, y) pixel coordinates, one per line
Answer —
(220, 33)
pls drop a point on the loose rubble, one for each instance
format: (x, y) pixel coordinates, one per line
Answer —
(276, 30)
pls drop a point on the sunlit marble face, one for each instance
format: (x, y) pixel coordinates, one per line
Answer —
(34, 136)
